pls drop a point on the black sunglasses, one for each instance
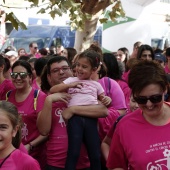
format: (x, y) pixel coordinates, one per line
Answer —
(143, 99)
(35, 48)
(22, 75)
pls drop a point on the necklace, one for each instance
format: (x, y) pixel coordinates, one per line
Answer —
(5, 159)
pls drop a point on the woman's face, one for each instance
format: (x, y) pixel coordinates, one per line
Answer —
(121, 56)
(150, 109)
(133, 104)
(146, 55)
(64, 53)
(7, 132)
(19, 82)
(22, 52)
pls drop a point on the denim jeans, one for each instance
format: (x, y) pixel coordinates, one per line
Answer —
(83, 129)
(49, 167)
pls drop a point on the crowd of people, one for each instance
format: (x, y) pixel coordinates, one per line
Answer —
(66, 110)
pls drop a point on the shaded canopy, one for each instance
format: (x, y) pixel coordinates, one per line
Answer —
(142, 2)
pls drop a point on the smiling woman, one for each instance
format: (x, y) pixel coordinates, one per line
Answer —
(152, 118)
(23, 98)
(10, 157)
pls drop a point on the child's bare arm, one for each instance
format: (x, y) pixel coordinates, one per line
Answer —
(64, 87)
(105, 99)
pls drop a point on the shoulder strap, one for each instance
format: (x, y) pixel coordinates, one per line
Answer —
(117, 121)
(107, 85)
(36, 92)
(7, 94)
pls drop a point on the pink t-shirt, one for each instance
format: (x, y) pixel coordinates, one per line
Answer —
(167, 70)
(5, 86)
(29, 117)
(125, 76)
(113, 90)
(19, 161)
(126, 91)
(139, 144)
(87, 95)
(57, 145)
(106, 122)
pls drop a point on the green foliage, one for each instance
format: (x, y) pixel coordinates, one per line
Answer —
(15, 22)
(73, 7)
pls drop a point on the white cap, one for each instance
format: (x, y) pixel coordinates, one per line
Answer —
(12, 53)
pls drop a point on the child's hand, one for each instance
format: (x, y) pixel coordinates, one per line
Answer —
(76, 85)
(106, 100)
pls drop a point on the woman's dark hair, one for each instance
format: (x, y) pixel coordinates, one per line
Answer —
(145, 73)
(24, 64)
(5, 62)
(39, 65)
(111, 63)
(13, 115)
(144, 48)
(71, 53)
(24, 57)
(45, 86)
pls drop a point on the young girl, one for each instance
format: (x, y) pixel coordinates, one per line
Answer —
(83, 91)
(10, 139)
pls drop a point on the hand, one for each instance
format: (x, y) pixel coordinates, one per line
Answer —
(76, 85)
(106, 100)
(65, 97)
(67, 114)
(28, 148)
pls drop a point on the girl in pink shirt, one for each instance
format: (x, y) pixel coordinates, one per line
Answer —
(10, 135)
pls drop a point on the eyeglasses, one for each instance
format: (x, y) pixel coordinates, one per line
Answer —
(143, 99)
(57, 70)
(22, 75)
(35, 48)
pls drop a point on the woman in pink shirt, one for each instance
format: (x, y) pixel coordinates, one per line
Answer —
(12, 158)
(5, 84)
(141, 138)
(29, 106)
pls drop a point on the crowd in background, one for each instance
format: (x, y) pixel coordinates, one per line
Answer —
(61, 109)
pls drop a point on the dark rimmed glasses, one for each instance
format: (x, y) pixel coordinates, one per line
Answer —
(143, 99)
(22, 75)
(57, 70)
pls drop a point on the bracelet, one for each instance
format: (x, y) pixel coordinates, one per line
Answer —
(31, 146)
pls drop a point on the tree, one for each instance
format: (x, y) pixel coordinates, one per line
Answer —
(84, 15)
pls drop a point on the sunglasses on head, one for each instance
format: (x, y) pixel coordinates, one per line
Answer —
(143, 99)
(22, 75)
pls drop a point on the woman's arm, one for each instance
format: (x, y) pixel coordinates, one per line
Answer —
(40, 139)
(105, 147)
(93, 111)
(45, 117)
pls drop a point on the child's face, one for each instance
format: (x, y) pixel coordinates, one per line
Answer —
(84, 69)
(133, 104)
(7, 132)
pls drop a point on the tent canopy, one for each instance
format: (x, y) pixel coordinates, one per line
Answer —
(142, 2)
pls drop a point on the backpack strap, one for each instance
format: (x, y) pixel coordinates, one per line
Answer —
(107, 85)
(117, 121)
(7, 94)
(36, 92)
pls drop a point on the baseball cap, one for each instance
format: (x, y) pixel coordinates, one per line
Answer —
(160, 57)
(12, 53)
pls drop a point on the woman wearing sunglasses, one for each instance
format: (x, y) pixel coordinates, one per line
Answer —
(141, 139)
(23, 98)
